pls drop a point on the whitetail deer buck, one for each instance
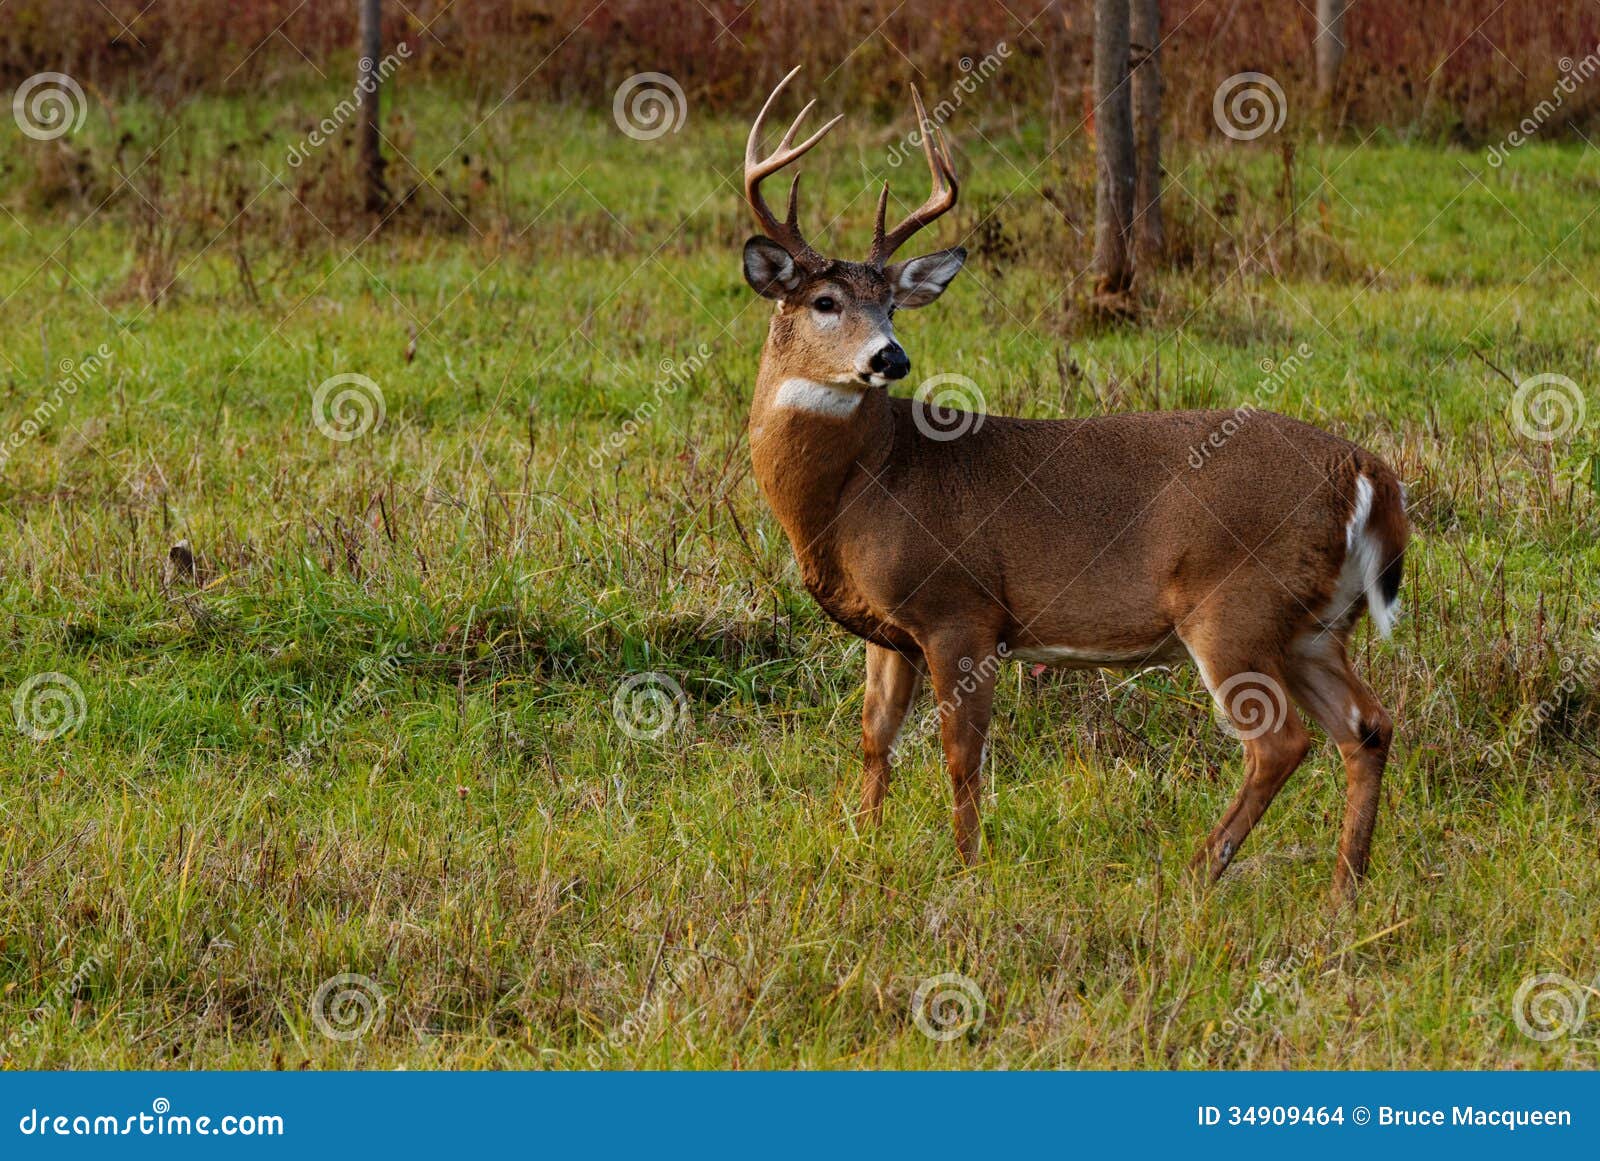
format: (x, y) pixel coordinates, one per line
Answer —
(1082, 542)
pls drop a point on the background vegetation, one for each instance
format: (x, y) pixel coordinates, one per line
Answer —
(1460, 70)
(525, 884)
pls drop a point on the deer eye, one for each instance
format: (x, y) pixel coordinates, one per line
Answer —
(826, 304)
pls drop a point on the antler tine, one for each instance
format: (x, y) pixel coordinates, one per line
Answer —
(943, 196)
(757, 169)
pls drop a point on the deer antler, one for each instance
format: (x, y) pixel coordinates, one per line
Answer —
(945, 188)
(756, 169)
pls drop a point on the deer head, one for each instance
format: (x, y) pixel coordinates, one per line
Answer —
(834, 321)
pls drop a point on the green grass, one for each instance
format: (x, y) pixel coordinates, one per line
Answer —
(527, 885)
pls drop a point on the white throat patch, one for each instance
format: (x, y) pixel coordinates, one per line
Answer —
(818, 398)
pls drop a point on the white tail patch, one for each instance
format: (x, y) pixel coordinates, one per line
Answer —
(818, 398)
(1363, 566)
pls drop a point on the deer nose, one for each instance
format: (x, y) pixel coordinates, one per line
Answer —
(891, 362)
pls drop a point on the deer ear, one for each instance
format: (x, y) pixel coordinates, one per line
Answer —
(918, 281)
(768, 268)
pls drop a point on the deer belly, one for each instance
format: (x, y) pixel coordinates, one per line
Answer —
(1089, 657)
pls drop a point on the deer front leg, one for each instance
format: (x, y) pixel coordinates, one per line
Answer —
(892, 684)
(963, 671)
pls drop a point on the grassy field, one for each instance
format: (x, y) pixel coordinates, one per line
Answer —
(373, 730)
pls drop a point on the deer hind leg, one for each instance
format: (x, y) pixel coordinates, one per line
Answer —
(1327, 688)
(892, 683)
(963, 670)
(1250, 690)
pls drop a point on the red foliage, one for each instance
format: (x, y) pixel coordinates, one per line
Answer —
(1470, 65)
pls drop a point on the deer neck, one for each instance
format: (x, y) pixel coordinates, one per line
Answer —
(809, 442)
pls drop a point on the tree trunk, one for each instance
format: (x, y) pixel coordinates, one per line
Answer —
(367, 81)
(1114, 184)
(1330, 47)
(1149, 231)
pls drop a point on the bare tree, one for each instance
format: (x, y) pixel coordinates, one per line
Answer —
(367, 84)
(1149, 231)
(1114, 184)
(1330, 47)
